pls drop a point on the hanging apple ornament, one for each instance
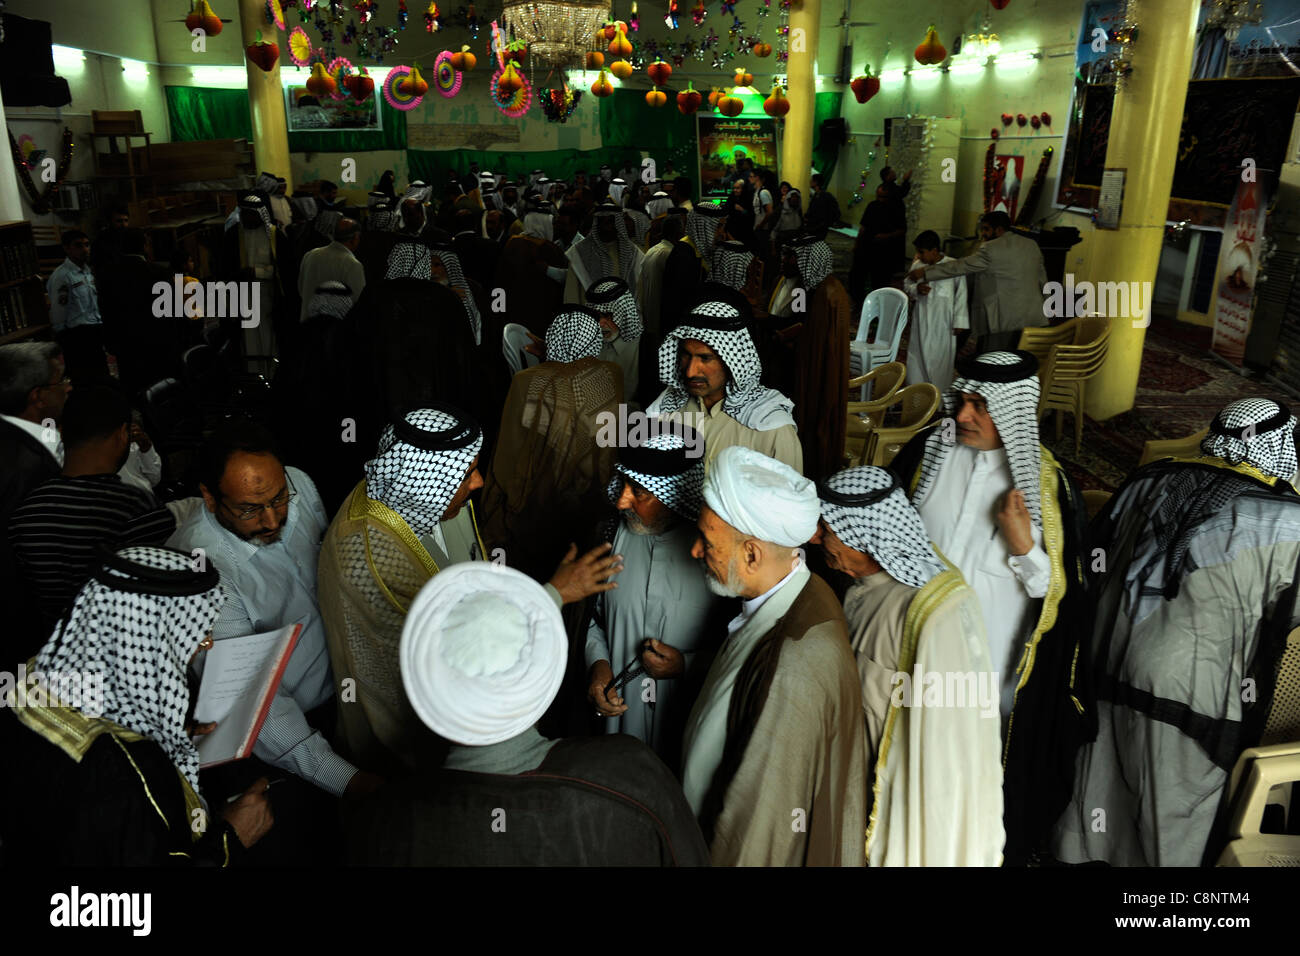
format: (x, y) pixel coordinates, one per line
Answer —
(656, 97)
(202, 18)
(930, 50)
(866, 86)
(776, 105)
(1047, 119)
(688, 100)
(595, 60)
(762, 50)
(320, 84)
(517, 51)
(360, 85)
(729, 105)
(464, 61)
(1021, 119)
(1035, 122)
(659, 72)
(1007, 119)
(621, 68)
(714, 95)
(742, 78)
(265, 55)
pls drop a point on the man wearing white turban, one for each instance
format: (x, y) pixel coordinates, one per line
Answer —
(483, 654)
(998, 505)
(930, 698)
(1195, 594)
(408, 520)
(774, 752)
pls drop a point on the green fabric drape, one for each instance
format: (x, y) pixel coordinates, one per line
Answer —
(627, 121)
(434, 166)
(827, 106)
(196, 113)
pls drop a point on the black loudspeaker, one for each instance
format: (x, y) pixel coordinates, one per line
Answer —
(27, 65)
(835, 132)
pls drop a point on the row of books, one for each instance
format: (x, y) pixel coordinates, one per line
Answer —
(17, 261)
(13, 310)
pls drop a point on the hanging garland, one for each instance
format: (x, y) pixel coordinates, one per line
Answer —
(1035, 190)
(41, 202)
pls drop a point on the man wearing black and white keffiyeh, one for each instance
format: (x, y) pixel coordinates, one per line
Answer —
(711, 370)
(870, 532)
(621, 323)
(998, 505)
(110, 774)
(662, 612)
(1193, 565)
(415, 260)
(608, 251)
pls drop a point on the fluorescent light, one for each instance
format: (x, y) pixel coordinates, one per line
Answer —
(925, 72)
(135, 70)
(892, 75)
(1020, 58)
(68, 58)
(972, 65)
(219, 76)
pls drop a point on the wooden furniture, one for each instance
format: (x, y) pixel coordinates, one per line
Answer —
(202, 161)
(1075, 352)
(23, 309)
(48, 237)
(129, 164)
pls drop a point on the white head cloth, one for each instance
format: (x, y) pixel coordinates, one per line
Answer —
(762, 497)
(421, 464)
(1008, 383)
(539, 225)
(140, 643)
(616, 188)
(574, 334)
(888, 529)
(1255, 430)
(658, 205)
(482, 654)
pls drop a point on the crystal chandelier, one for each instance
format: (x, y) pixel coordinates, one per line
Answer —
(983, 44)
(1231, 15)
(558, 34)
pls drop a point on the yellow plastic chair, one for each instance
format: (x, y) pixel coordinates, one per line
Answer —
(1258, 771)
(1063, 375)
(880, 383)
(1094, 500)
(917, 404)
(865, 416)
(1188, 447)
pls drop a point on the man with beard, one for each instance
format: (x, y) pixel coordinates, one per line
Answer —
(657, 621)
(775, 752)
(261, 528)
(58, 531)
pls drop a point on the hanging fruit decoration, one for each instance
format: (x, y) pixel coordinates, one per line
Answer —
(202, 18)
(1021, 119)
(621, 68)
(445, 77)
(1006, 119)
(729, 105)
(1047, 119)
(265, 55)
(999, 4)
(742, 78)
(688, 100)
(395, 95)
(433, 17)
(611, 29)
(595, 60)
(776, 105)
(659, 72)
(320, 83)
(413, 84)
(762, 50)
(656, 97)
(620, 45)
(714, 95)
(360, 85)
(866, 86)
(930, 50)
(602, 86)
(510, 80)
(464, 61)
(1035, 122)
(517, 51)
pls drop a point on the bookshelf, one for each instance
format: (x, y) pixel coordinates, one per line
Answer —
(23, 311)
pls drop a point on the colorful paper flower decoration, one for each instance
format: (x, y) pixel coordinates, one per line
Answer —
(512, 103)
(445, 77)
(299, 47)
(394, 97)
(275, 13)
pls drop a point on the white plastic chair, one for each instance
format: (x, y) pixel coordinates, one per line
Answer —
(889, 306)
(514, 340)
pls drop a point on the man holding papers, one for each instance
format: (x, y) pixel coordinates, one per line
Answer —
(261, 529)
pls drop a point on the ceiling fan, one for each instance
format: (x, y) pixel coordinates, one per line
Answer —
(846, 54)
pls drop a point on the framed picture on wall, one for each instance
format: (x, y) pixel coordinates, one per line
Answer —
(308, 113)
(724, 140)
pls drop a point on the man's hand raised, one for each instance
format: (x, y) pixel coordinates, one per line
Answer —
(1013, 519)
(577, 578)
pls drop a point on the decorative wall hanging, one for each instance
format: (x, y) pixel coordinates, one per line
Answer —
(930, 50)
(445, 76)
(513, 103)
(433, 18)
(41, 202)
(339, 68)
(299, 47)
(689, 100)
(396, 97)
(202, 18)
(866, 86)
(776, 105)
(274, 13)
(262, 54)
(360, 85)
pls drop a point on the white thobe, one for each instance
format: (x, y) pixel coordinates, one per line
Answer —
(706, 729)
(931, 348)
(960, 515)
(649, 292)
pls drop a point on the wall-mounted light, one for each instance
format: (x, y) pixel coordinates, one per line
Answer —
(963, 66)
(135, 70)
(219, 76)
(891, 76)
(1017, 60)
(68, 59)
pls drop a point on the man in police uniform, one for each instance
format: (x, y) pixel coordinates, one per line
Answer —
(74, 310)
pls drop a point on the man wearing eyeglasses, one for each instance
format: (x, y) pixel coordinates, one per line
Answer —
(74, 309)
(262, 528)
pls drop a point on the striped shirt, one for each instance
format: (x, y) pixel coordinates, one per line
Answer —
(58, 530)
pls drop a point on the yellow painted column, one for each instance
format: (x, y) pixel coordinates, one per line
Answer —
(801, 74)
(1143, 140)
(266, 96)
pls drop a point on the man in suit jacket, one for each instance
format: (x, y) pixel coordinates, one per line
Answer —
(1009, 291)
(33, 389)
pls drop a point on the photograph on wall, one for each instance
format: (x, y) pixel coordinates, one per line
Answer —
(724, 141)
(1008, 173)
(308, 113)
